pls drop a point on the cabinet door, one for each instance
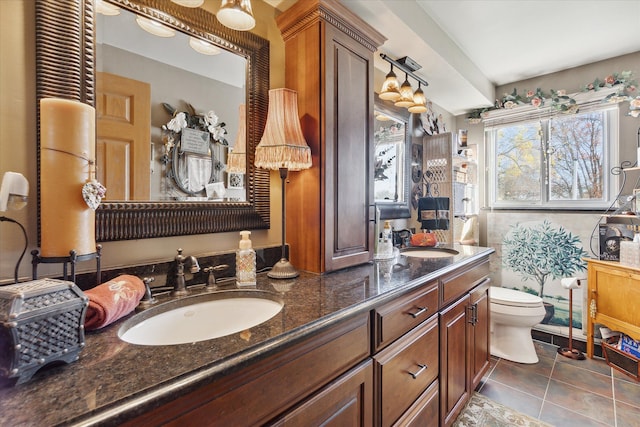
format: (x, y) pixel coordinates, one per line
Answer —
(348, 152)
(479, 351)
(424, 411)
(347, 401)
(454, 373)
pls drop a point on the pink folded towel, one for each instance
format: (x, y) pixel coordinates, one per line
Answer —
(112, 300)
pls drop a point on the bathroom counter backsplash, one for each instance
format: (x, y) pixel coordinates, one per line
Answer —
(112, 376)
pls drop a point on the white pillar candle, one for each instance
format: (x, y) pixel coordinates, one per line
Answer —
(67, 146)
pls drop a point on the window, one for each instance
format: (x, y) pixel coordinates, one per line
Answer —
(554, 162)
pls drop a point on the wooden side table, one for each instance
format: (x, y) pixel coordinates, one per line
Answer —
(613, 299)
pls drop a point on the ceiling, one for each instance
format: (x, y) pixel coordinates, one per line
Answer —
(467, 47)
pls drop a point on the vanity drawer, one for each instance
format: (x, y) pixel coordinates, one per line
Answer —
(404, 370)
(458, 283)
(394, 319)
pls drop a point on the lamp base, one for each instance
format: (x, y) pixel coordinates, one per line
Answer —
(571, 353)
(283, 269)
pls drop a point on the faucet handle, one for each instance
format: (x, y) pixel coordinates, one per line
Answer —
(211, 280)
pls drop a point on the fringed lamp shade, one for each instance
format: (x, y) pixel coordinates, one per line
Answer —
(283, 148)
(237, 158)
(282, 144)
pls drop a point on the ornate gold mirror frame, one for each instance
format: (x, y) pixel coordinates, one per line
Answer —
(65, 68)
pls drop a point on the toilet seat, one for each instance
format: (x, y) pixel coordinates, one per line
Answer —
(513, 298)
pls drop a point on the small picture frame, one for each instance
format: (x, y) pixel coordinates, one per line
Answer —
(235, 180)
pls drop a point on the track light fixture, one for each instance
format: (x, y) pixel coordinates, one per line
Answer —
(415, 102)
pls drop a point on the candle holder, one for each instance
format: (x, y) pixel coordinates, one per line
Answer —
(72, 259)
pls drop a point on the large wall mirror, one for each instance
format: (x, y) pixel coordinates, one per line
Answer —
(203, 94)
(391, 183)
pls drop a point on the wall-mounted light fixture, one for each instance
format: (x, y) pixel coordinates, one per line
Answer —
(13, 195)
(236, 14)
(419, 101)
(390, 88)
(415, 102)
(154, 27)
(203, 47)
(406, 94)
(189, 3)
(107, 9)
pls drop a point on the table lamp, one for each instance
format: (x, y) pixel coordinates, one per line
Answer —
(283, 148)
(236, 159)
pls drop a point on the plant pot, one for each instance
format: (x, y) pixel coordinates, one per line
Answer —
(550, 311)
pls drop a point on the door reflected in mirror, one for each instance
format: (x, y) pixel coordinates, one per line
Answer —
(167, 114)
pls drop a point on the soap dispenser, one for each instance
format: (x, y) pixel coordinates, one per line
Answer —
(245, 261)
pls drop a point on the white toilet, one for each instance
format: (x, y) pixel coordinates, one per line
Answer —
(513, 314)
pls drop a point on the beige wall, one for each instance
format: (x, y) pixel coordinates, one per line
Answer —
(18, 139)
(18, 151)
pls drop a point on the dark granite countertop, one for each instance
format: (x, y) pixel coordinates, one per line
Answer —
(114, 380)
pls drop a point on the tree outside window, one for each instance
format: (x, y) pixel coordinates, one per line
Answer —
(555, 162)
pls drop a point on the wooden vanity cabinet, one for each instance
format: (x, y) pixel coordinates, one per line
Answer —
(329, 62)
(411, 361)
(404, 370)
(613, 296)
(406, 359)
(347, 401)
(318, 377)
(464, 337)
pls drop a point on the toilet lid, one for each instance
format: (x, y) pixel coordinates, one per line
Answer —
(512, 297)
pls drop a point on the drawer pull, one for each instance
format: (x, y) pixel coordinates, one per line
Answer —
(420, 311)
(422, 368)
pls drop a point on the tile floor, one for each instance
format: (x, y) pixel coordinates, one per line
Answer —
(565, 392)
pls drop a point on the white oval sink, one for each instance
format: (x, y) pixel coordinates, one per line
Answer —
(429, 252)
(200, 317)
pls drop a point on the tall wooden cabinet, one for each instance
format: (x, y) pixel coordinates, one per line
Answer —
(329, 62)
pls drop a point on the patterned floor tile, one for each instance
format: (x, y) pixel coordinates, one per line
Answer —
(584, 379)
(581, 401)
(512, 398)
(627, 392)
(520, 378)
(565, 392)
(627, 415)
(561, 417)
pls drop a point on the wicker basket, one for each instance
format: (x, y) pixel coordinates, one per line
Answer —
(41, 321)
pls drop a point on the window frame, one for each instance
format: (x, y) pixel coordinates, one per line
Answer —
(610, 158)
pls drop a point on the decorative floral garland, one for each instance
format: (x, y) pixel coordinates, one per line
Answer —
(563, 103)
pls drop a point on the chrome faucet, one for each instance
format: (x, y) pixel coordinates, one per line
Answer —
(180, 288)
